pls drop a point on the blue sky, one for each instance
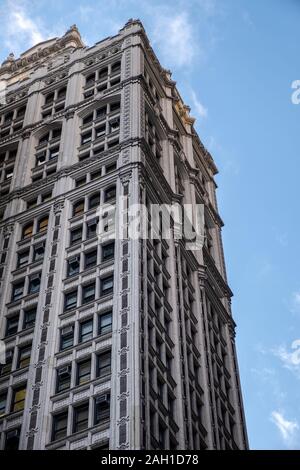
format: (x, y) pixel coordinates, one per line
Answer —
(234, 62)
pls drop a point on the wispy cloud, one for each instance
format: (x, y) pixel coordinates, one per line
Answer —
(20, 29)
(290, 359)
(288, 429)
(174, 37)
(198, 106)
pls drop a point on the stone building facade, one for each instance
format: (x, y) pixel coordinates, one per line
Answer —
(120, 344)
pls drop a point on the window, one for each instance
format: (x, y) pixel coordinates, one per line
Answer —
(63, 381)
(49, 98)
(46, 197)
(114, 125)
(75, 235)
(100, 130)
(107, 285)
(38, 252)
(71, 300)
(27, 230)
(80, 182)
(32, 203)
(24, 357)
(88, 293)
(53, 153)
(78, 208)
(116, 67)
(66, 337)
(62, 93)
(90, 259)
(40, 158)
(92, 228)
(60, 424)
(103, 364)
(73, 266)
(43, 224)
(115, 107)
(18, 399)
(83, 372)
(108, 251)
(12, 439)
(85, 138)
(101, 112)
(81, 417)
(102, 408)
(18, 290)
(12, 325)
(87, 119)
(90, 79)
(86, 331)
(110, 194)
(3, 399)
(6, 368)
(34, 284)
(110, 168)
(29, 318)
(105, 323)
(94, 201)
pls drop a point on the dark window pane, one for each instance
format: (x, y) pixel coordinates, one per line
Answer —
(102, 408)
(88, 293)
(108, 251)
(29, 318)
(12, 439)
(71, 300)
(18, 290)
(67, 337)
(18, 399)
(24, 357)
(90, 259)
(38, 252)
(81, 417)
(12, 325)
(83, 372)
(34, 284)
(86, 331)
(73, 266)
(104, 364)
(63, 378)
(107, 285)
(76, 235)
(60, 423)
(105, 323)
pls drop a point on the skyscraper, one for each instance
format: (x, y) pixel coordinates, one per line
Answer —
(123, 343)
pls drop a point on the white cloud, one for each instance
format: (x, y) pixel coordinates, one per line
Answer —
(290, 359)
(199, 107)
(20, 29)
(174, 37)
(287, 429)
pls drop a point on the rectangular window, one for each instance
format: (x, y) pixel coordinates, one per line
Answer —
(34, 284)
(12, 439)
(71, 300)
(53, 153)
(3, 399)
(81, 417)
(46, 197)
(6, 368)
(102, 408)
(12, 325)
(100, 130)
(73, 266)
(75, 235)
(83, 372)
(85, 138)
(63, 381)
(88, 293)
(86, 331)
(24, 357)
(66, 337)
(32, 203)
(29, 318)
(18, 399)
(43, 224)
(110, 168)
(94, 201)
(101, 112)
(40, 158)
(107, 285)
(110, 194)
(60, 425)
(104, 364)
(92, 228)
(18, 290)
(38, 252)
(90, 259)
(105, 323)
(108, 251)
(78, 208)
(23, 258)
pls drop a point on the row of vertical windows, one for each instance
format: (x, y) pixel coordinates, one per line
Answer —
(18, 288)
(86, 330)
(14, 323)
(81, 420)
(88, 292)
(90, 259)
(84, 373)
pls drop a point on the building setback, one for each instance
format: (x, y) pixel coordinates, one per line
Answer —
(125, 344)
